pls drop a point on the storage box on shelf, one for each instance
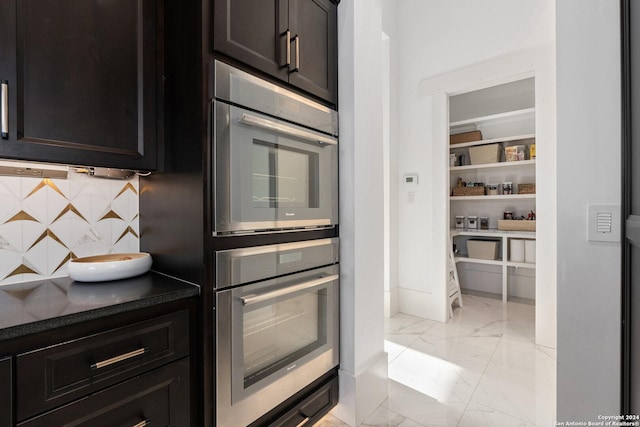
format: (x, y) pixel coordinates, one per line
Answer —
(526, 188)
(482, 154)
(459, 138)
(468, 191)
(483, 249)
(516, 225)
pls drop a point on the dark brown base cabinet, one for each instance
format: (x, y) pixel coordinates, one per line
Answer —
(84, 81)
(6, 392)
(156, 399)
(295, 41)
(56, 375)
(131, 369)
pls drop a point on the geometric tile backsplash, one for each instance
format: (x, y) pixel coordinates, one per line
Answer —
(46, 222)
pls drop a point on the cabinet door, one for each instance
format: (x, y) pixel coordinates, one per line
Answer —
(313, 24)
(6, 393)
(158, 398)
(253, 32)
(83, 78)
(58, 374)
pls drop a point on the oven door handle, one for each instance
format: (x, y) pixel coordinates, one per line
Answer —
(260, 122)
(254, 299)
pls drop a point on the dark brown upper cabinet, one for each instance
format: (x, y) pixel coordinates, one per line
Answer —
(83, 81)
(292, 40)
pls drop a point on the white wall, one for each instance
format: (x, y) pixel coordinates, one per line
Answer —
(589, 121)
(437, 38)
(390, 30)
(363, 362)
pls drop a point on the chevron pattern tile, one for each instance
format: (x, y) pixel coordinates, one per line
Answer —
(46, 222)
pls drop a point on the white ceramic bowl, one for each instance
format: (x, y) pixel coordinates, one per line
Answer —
(109, 267)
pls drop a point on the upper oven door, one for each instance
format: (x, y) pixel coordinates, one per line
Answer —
(271, 174)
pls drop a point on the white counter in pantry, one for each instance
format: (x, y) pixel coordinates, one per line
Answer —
(504, 237)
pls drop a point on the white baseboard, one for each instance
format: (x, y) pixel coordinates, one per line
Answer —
(422, 304)
(362, 394)
(391, 302)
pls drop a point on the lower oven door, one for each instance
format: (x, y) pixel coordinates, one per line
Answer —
(273, 339)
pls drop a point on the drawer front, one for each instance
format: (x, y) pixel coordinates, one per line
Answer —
(157, 398)
(55, 375)
(311, 409)
(6, 392)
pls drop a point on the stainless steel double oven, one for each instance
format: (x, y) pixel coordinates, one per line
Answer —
(275, 157)
(276, 305)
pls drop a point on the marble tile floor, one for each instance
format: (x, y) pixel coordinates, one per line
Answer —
(480, 369)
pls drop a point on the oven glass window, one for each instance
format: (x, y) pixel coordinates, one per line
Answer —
(279, 332)
(284, 177)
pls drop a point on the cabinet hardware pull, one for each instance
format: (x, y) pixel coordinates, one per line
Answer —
(143, 423)
(4, 106)
(303, 422)
(296, 39)
(117, 359)
(253, 299)
(288, 34)
(272, 125)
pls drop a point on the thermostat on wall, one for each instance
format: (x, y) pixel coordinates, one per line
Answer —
(411, 179)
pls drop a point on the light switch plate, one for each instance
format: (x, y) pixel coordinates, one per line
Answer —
(604, 223)
(411, 179)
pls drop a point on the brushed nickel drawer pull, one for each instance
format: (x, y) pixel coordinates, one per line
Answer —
(117, 359)
(143, 423)
(303, 422)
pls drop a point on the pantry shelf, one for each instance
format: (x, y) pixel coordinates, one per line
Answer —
(503, 197)
(497, 165)
(520, 265)
(524, 114)
(493, 141)
(479, 261)
(492, 233)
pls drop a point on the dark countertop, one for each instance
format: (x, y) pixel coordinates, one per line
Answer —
(31, 307)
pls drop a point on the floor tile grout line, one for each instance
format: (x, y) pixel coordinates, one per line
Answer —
(484, 371)
(501, 340)
(513, 310)
(389, 362)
